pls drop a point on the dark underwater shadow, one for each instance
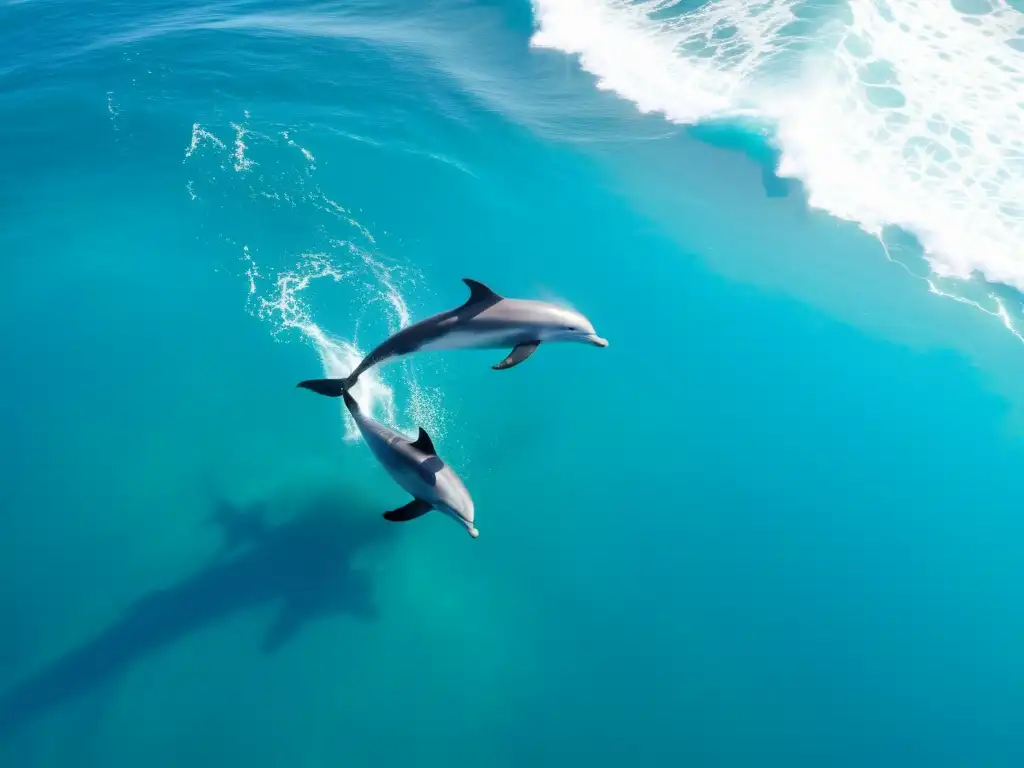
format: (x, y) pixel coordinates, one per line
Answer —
(303, 566)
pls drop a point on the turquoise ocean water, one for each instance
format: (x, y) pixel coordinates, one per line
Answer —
(777, 522)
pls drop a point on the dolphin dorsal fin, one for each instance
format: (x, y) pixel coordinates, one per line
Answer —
(480, 292)
(424, 443)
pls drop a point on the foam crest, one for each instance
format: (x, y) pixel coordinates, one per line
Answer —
(903, 113)
(928, 101)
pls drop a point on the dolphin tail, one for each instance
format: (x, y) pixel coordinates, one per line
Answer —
(327, 387)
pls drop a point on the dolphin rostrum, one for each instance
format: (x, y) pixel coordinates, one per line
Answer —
(486, 321)
(415, 465)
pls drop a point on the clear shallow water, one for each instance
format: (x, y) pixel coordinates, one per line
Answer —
(775, 522)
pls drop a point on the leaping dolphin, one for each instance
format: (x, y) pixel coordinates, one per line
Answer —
(415, 465)
(486, 321)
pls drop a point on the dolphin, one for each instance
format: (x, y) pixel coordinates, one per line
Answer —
(415, 465)
(486, 321)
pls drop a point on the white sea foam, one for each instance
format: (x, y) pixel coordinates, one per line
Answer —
(285, 306)
(328, 205)
(305, 152)
(199, 136)
(112, 109)
(347, 254)
(287, 309)
(242, 163)
(905, 113)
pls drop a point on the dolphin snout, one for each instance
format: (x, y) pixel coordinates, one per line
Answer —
(597, 341)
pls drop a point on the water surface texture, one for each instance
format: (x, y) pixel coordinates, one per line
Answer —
(777, 522)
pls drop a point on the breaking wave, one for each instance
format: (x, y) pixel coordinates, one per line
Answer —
(901, 114)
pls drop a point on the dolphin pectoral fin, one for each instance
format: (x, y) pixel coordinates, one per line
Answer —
(517, 355)
(480, 292)
(327, 387)
(410, 511)
(433, 464)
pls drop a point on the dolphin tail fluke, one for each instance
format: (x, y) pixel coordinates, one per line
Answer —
(327, 387)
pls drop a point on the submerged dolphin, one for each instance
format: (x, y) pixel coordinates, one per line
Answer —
(415, 465)
(486, 321)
